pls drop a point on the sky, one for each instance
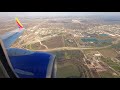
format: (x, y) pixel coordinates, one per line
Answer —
(56, 13)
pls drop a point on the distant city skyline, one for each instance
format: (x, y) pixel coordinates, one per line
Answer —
(57, 13)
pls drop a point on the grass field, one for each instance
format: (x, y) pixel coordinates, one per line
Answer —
(68, 63)
(59, 54)
(67, 70)
(112, 64)
(71, 54)
(108, 52)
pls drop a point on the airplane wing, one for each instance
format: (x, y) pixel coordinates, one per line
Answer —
(22, 63)
(10, 37)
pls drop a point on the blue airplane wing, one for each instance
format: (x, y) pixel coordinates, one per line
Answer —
(10, 37)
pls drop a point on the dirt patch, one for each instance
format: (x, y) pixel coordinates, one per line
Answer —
(54, 42)
(108, 53)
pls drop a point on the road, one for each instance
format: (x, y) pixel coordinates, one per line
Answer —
(73, 48)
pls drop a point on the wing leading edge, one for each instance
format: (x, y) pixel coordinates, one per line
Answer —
(10, 37)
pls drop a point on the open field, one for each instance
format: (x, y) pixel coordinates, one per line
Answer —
(71, 64)
(112, 64)
(108, 52)
(67, 70)
(35, 46)
(109, 68)
(69, 41)
(54, 42)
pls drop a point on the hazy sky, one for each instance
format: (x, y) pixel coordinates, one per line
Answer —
(56, 13)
